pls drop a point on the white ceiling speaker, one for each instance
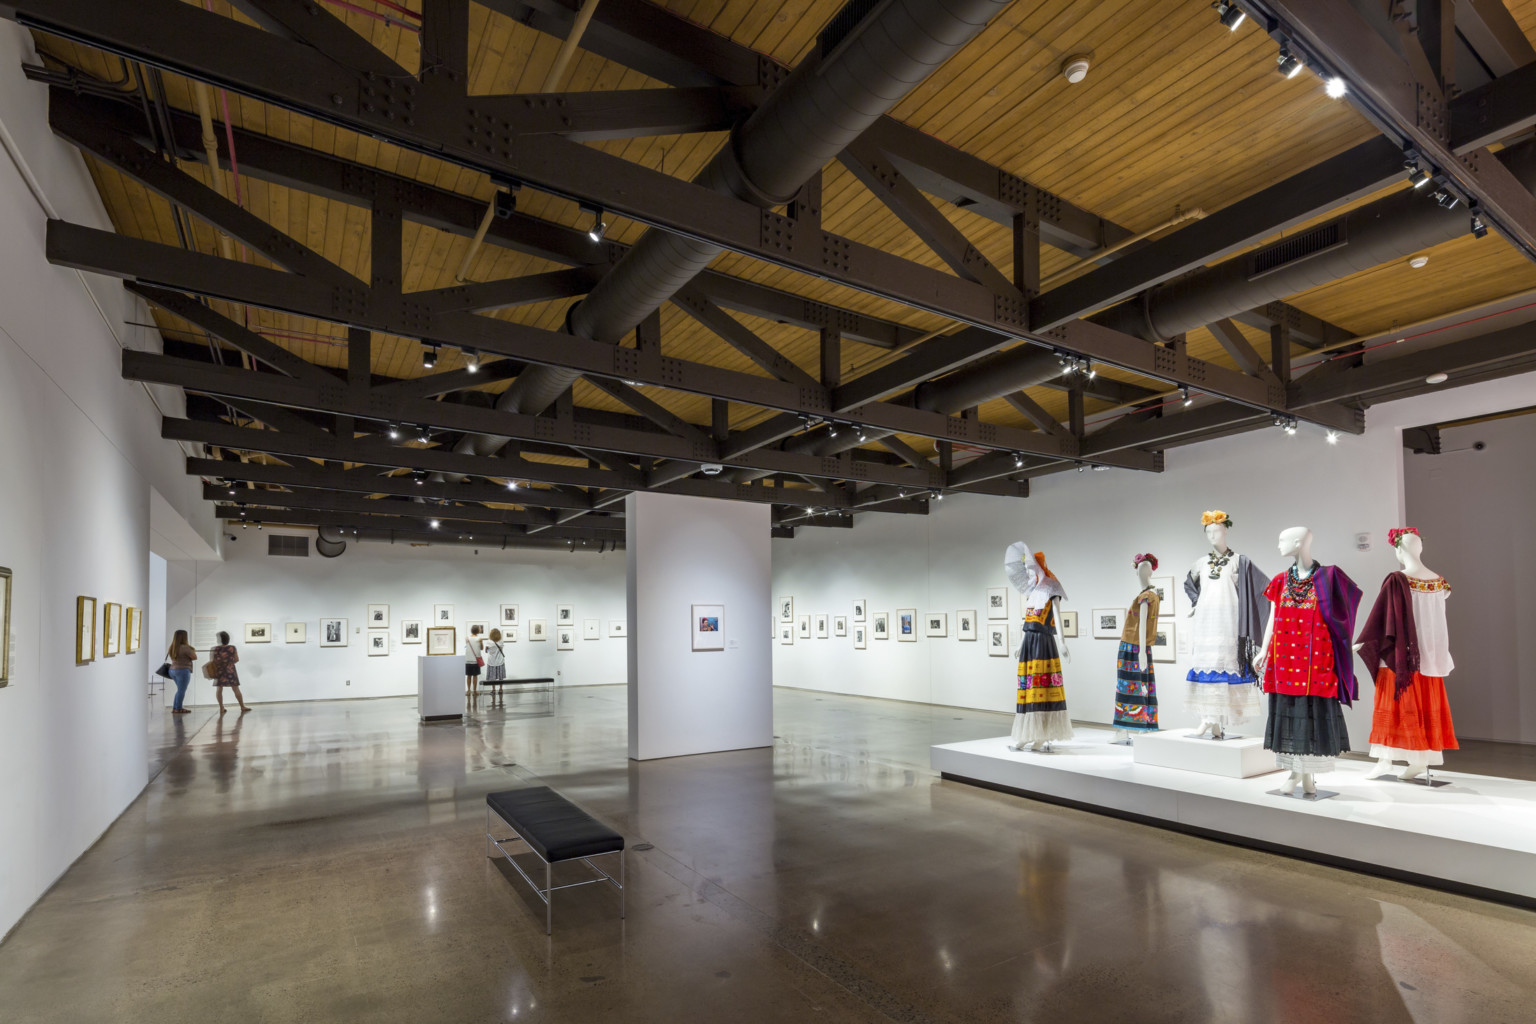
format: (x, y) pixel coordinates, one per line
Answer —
(1418, 262)
(1075, 67)
(1437, 378)
(712, 469)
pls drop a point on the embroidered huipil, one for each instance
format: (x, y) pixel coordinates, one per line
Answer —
(1300, 660)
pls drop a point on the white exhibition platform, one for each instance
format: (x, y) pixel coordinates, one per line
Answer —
(1477, 833)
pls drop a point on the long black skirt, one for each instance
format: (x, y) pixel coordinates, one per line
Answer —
(1309, 726)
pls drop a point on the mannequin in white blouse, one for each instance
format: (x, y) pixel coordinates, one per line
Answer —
(1410, 555)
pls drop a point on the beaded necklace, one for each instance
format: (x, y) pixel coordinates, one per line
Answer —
(1218, 563)
(1299, 588)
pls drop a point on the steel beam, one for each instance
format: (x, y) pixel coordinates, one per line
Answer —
(361, 520)
(1236, 345)
(1494, 112)
(614, 113)
(1511, 346)
(1494, 36)
(326, 501)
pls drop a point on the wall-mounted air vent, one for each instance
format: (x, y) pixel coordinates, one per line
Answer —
(1300, 247)
(281, 544)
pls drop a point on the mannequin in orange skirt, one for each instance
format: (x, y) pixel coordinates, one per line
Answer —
(1406, 644)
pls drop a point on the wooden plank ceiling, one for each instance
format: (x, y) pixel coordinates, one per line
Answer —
(1177, 114)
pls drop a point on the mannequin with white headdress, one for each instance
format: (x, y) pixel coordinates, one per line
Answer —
(1040, 708)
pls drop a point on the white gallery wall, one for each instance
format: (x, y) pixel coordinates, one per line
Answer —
(1477, 513)
(251, 586)
(81, 453)
(1091, 524)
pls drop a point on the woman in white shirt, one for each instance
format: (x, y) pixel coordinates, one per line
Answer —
(472, 661)
(495, 658)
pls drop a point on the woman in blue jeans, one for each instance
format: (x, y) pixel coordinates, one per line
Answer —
(181, 656)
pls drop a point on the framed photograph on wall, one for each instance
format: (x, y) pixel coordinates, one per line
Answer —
(786, 607)
(565, 638)
(997, 639)
(997, 602)
(858, 610)
(965, 624)
(1107, 623)
(133, 624)
(839, 625)
(906, 625)
(111, 629)
(1167, 593)
(442, 641)
(708, 632)
(1068, 623)
(378, 618)
(565, 615)
(298, 632)
(936, 624)
(411, 632)
(258, 632)
(472, 624)
(442, 615)
(509, 635)
(880, 625)
(85, 630)
(803, 627)
(538, 629)
(618, 627)
(5, 626)
(333, 632)
(591, 629)
(823, 626)
(378, 643)
(1165, 642)
(508, 615)
(787, 633)
(860, 636)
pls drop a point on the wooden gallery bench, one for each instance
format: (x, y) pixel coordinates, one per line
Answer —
(555, 830)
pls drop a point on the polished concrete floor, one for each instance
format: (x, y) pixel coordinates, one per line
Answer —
(325, 862)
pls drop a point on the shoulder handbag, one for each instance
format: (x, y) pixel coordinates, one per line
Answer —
(210, 670)
(164, 671)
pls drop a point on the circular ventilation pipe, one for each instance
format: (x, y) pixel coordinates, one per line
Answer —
(1075, 67)
(328, 542)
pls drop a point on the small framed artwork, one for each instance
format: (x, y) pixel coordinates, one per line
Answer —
(442, 641)
(565, 638)
(508, 615)
(839, 625)
(858, 610)
(133, 623)
(860, 636)
(936, 624)
(378, 618)
(565, 615)
(823, 626)
(333, 632)
(787, 633)
(997, 639)
(1107, 623)
(1166, 593)
(965, 625)
(509, 635)
(473, 624)
(538, 629)
(618, 627)
(906, 625)
(378, 643)
(786, 607)
(591, 629)
(997, 602)
(1165, 640)
(111, 629)
(803, 626)
(1068, 624)
(410, 631)
(707, 633)
(442, 615)
(880, 625)
(298, 632)
(5, 626)
(258, 632)
(85, 630)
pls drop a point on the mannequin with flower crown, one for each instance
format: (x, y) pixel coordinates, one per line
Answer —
(1405, 645)
(1226, 595)
(1135, 684)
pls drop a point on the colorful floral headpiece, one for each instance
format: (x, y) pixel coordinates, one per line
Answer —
(1394, 536)
(1217, 517)
(1148, 557)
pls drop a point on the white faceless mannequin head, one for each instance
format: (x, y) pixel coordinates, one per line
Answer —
(1409, 550)
(1296, 544)
(1216, 533)
(1144, 573)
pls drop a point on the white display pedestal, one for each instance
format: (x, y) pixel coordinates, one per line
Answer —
(1241, 757)
(439, 688)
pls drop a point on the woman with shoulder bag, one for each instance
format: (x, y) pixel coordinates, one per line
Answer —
(473, 661)
(495, 658)
(221, 669)
(181, 656)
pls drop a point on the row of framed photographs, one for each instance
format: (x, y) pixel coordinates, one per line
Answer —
(335, 632)
(120, 630)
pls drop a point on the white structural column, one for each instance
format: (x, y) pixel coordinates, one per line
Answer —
(690, 551)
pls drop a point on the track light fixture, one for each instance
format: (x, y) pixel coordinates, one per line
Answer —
(424, 434)
(862, 436)
(1418, 177)
(1333, 437)
(1018, 460)
(393, 430)
(1229, 13)
(1447, 200)
(1479, 229)
(937, 495)
(599, 226)
(832, 430)
(1287, 63)
(1099, 469)
(419, 477)
(1335, 87)
(433, 523)
(1189, 399)
(511, 485)
(429, 357)
(472, 362)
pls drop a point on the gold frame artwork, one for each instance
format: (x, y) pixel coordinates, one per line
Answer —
(111, 629)
(433, 632)
(85, 618)
(5, 626)
(132, 625)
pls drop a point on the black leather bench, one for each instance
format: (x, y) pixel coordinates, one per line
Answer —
(499, 683)
(555, 830)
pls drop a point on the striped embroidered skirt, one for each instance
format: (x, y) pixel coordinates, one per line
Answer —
(1041, 705)
(1135, 691)
(1414, 726)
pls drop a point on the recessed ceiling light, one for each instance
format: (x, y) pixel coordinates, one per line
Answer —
(1437, 378)
(1418, 262)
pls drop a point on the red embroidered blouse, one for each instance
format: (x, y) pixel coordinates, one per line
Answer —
(1300, 657)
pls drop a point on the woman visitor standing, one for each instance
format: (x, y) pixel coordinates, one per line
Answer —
(472, 662)
(181, 656)
(224, 658)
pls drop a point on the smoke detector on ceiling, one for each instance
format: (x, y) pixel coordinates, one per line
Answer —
(1075, 67)
(1418, 262)
(711, 468)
